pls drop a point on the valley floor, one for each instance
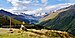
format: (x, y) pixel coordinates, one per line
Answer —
(33, 33)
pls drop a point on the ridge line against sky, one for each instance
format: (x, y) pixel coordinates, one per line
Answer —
(30, 5)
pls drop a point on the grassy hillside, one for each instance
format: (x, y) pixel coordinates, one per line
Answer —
(33, 33)
(64, 21)
(50, 17)
(6, 20)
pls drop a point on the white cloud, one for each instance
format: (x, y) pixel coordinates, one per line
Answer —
(42, 10)
(21, 6)
(13, 0)
(58, 6)
(36, 1)
(44, 1)
(19, 3)
(27, 2)
(52, 8)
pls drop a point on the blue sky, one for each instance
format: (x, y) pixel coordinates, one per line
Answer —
(6, 4)
(30, 4)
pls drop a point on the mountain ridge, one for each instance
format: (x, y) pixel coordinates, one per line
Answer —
(64, 21)
(24, 17)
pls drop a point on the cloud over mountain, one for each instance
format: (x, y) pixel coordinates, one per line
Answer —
(35, 6)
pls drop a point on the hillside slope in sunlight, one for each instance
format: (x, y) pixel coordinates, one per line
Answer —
(64, 21)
